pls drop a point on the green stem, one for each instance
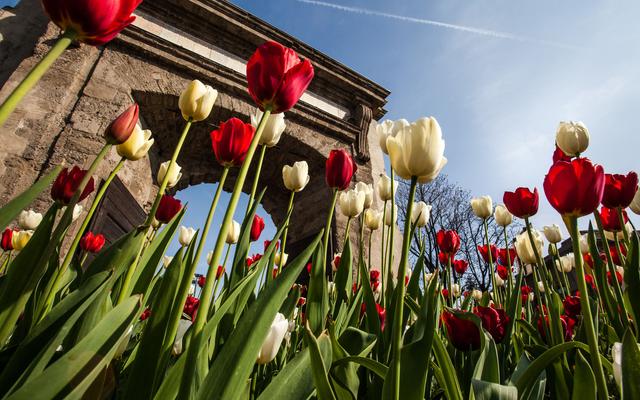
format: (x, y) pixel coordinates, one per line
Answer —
(286, 230)
(383, 244)
(327, 229)
(124, 289)
(391, 229)
(34, 76)
(256, 179)
(592, 338)
(506, 245)
(624, 227)
(493, 272)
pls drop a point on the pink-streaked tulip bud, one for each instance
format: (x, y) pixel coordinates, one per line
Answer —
(121, 128)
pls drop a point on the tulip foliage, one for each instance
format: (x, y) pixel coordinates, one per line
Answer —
(128, 322)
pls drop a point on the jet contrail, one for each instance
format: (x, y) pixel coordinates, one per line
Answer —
(477, 31)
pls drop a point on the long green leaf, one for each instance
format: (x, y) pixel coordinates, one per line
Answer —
(343, 279)
(584, 381)
(319, 366)
(372, 365)
(317, 305)
(449, 381)
(493, 391)
(630, 367)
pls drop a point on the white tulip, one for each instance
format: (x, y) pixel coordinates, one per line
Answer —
(390, 218)
(209, 257)
(616, 355)
(532, 296)
(428, 276)
(183, 327)
(372, 219)
(384, 130)
(611, 235)
(137, 146)
(174, 174)
(196, 101)
(525, 250)
(280, 259)
(482, 206)
(418, 150)
(476, 294)
(528, 269)
(295, 177)
(273, 129)
(367, 189)
(351, 203)
(584, 243)
(383, 187)
(166, 261)
(331, 288)
(572, 137)
(29, 220)
(234, 233)
(499, 281)
(192, 290)
(541, 286)
(552, 233)
(455, 290)
(566, 264)
(186, 235)
(635, 203)
(420, 213)
(272, 342)
(77, 210)
(502, 215)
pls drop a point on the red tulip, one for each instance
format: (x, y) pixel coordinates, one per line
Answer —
(502, 272)
(120, 128)
(253, 260)
(94, 22)
(256, 228)
(445, 293)
(92, 243)
(145, 314)
(590, 281)
(191, 307)
(309, 266)
(619, 190)
(382, 315)
(507, 256)
(460, 266)
(276, 77)
(231, 142)
(611, 220)
(494, 321)
(268, 242)
(168, 208)
(201, 280)
(7, 235)
(219, 271)
(614, 254)
(522, 203)
(571, 306)
(67, 183)
(374, 275)
(301, 301)
(524, 293)
(568, 324)
(558, 155)
(618, 277)
(463, 333)
(339, 169)
(484, 252)
(574, 188)
(445, 258)
(448, 241)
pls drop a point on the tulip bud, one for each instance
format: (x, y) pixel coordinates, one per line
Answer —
(455, 290)
(499, 281)
(92, 243)
(482, 206)
(168, 208)
(183, 327)
(274, 338)
(635, 203)
(7, 239)
(121, 128)
(67, 183)
(20, 239)
(541, 286)
(296, 177)
(173, 176)
(428, 276)
(616, 355)
(335, 263)
(256, 228)
(372, 219)
(552, 233)
(166, 261)
(219, 271)
(572, 137)
(273, 129)
(231, 142)
(566, 263)
(186, 235)
(137, 146)
(339, 169)
(77, 210)
(367, 189)
(234, 233)
(420, 213)
(196, 101)
(525, 250)
(351, 203)
(390, 218)
(584, 244)
(384, 188)
(476, 294)
(280, 259)
(29, 220)
(502, 215)
(384, 130)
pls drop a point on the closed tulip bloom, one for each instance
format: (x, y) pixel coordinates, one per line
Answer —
(219, 272)
(335, 263)
(233, 234)
(121, 128)
(635, 203)
(390, 218)
(418, 150)
(486, 251)
(68, 182)
(611, 220)
(77, 210)
(166, 261)
(174, 173)
(448, 241)
(541, 286)
(499, 280)
(619, 190)
(186, 235)
(574, 188)
(256, 228)
(525, 250)
(92, 243)
(552, 233)
(420, 214)
(231, 142)
(494, 320)
(455, 290)
(482, 206)
(137, 146)
(196, 101)
(611, 235)
(572, 138)
(567, 263)
(384, 130)
(273, 129)
(367, 189)
(339, 169)
(584, 244)
(463, 333)
(296, 176)
(95, 22)
(384, 188)
(476, 294)
(29, 220)
(20, 239)
(272, 342)
(502, 215)
(522, 203)
(168, 208)
(372, 219)
(460, 266)
(507, 256)
(351, 203)
(280, 258)
(276, 77)
(183, 327)
(7, 239)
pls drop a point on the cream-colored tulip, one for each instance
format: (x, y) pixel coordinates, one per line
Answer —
(611, 235)
(420, 213)
(482, 206)
(499, 281)
(174, 173)
(372, 219)
(552, 233)
(77, 210)
(280, 259)
(528, 269)
(384, 130)
(616, 355)
(635, 203)
(234, 233)
(532, 296)
(455, 290)
(572, 137)
(183, 327)
(186, 235)
(383, 187)
(274, 338)
(476, 294)
(541, 286)
(502, 215)
(428, 276)
(29, 220)
(418, 150)
(196, 101)
(209, 257)
(296, 176)
(584, 243)
(390, 218)
(20, 239)
(367, 189)
(566, 264)
(137, 146)
(273, 129)
(166, 261)
(351, 203)
(525, 250)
